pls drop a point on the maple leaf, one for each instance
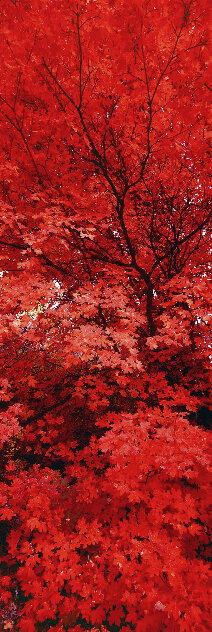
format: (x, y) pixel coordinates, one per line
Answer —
(6, 513)
(115, 616)
(34, 523)
(152, 343)
(27, 623)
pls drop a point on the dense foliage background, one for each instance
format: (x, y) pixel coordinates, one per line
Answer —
(105, 266)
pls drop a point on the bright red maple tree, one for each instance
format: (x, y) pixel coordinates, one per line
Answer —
(105, 264)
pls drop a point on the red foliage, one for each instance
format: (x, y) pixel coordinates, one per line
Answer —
(105, 264)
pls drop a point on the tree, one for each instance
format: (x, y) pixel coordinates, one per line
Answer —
(105, 321)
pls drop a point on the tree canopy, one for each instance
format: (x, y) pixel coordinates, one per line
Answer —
(105, 320)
